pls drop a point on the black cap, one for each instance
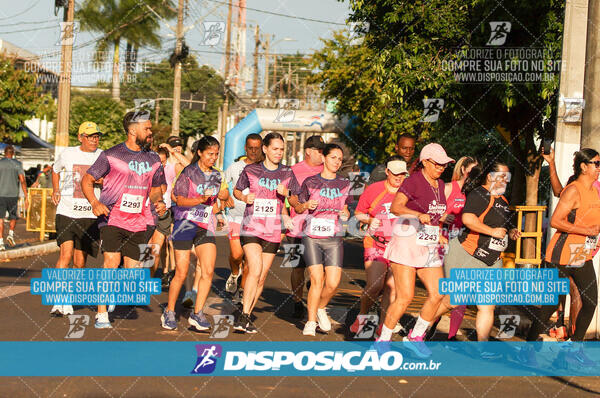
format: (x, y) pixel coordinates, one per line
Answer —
(174, 141)
(314, 141)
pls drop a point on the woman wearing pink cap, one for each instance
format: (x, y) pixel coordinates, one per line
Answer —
(415, 248)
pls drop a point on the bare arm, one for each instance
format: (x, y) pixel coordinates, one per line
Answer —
(156, 194)
(471, 221)
(554, 180)
(55, 188)
(87, 187)
(569, 200)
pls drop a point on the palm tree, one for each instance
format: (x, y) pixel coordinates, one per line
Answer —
(123, 19)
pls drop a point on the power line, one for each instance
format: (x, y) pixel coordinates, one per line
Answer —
(283, 15)
(21, 13)
(29, 30)
(29, 23)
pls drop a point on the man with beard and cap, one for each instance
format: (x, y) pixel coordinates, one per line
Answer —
(132, 174)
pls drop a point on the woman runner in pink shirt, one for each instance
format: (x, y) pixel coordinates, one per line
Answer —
(270, 183)
(325, 197)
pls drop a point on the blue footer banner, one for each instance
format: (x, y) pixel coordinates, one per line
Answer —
(299, 359)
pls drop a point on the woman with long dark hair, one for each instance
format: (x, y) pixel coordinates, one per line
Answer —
(195, 196)
(269, 183)
(571, 249)
(325, 197)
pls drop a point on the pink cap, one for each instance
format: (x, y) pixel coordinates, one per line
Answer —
(436, 153)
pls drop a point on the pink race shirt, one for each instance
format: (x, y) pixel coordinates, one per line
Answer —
(192, 183)
(332, 196)
(301, 171)
(128, 177)
(376, 201)
(263, 218)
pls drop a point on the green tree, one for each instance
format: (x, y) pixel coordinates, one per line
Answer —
(123, 19)
(105, 112)
(19, 99)
(156, 81)
(383, 81)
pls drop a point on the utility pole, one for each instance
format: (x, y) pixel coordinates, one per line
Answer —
(64, 85)
(289, 79)
(225, 112)
(275, 71)
(590, 130)
(156, 110)
(256, 47)
(177, 74)
(267, 42)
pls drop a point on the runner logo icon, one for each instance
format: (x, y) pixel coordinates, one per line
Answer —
(499, 33)
(432, 108)
(207, 358)
(223, 324)
(292, 253)
(77, 324)
(508, 326)
(367, 326)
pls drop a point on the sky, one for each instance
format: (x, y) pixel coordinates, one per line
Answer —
(32, 25)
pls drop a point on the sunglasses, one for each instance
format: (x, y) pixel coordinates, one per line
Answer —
(596, 163)
(92, 136)
(436, 164)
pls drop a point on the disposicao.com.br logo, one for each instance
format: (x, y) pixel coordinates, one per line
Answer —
(303, 361)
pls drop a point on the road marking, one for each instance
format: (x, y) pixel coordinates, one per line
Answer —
(8, 291)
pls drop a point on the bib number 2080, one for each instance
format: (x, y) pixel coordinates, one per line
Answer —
(131, 203)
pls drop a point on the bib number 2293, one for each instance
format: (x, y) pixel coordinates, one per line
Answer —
(131, 203)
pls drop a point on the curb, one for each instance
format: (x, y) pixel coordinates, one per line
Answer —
(28, 251)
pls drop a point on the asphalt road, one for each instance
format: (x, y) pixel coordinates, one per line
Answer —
(25, 319)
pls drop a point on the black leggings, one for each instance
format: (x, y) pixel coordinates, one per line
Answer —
(585, 280)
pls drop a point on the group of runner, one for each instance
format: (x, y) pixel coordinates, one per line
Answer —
(415, 224)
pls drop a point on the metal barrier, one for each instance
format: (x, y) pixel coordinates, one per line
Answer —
(537, 234)
(41, 212)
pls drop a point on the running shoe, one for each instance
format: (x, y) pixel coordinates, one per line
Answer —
(67, 309)
(250, 328)
(416, 344)
(166, 279)
(310, 328)
(57, 311)
(189, 299)
(199, 321)
(232, 283)
(323, 319)
(526, 357)
(237, 296)
(298, 310)
(168, 320)
(241, 322)
(570, 356)
(2, 247)
(10, 239)
(102, 321)
(398, 328)
(489, 355)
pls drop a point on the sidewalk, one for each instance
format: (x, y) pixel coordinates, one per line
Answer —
(26, 243)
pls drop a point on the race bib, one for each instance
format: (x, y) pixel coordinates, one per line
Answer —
(81, 207)
(201, 215)
(428, 235)
(265, 207)
(131, 203)
(499, 244)
(324, 227)
(590, 242)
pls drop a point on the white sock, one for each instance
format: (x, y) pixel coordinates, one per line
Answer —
(420, 327)
(10, 232)
(386, 334)
(1, 241)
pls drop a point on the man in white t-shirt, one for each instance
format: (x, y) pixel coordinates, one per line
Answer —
(235, 215)
(76, 225)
